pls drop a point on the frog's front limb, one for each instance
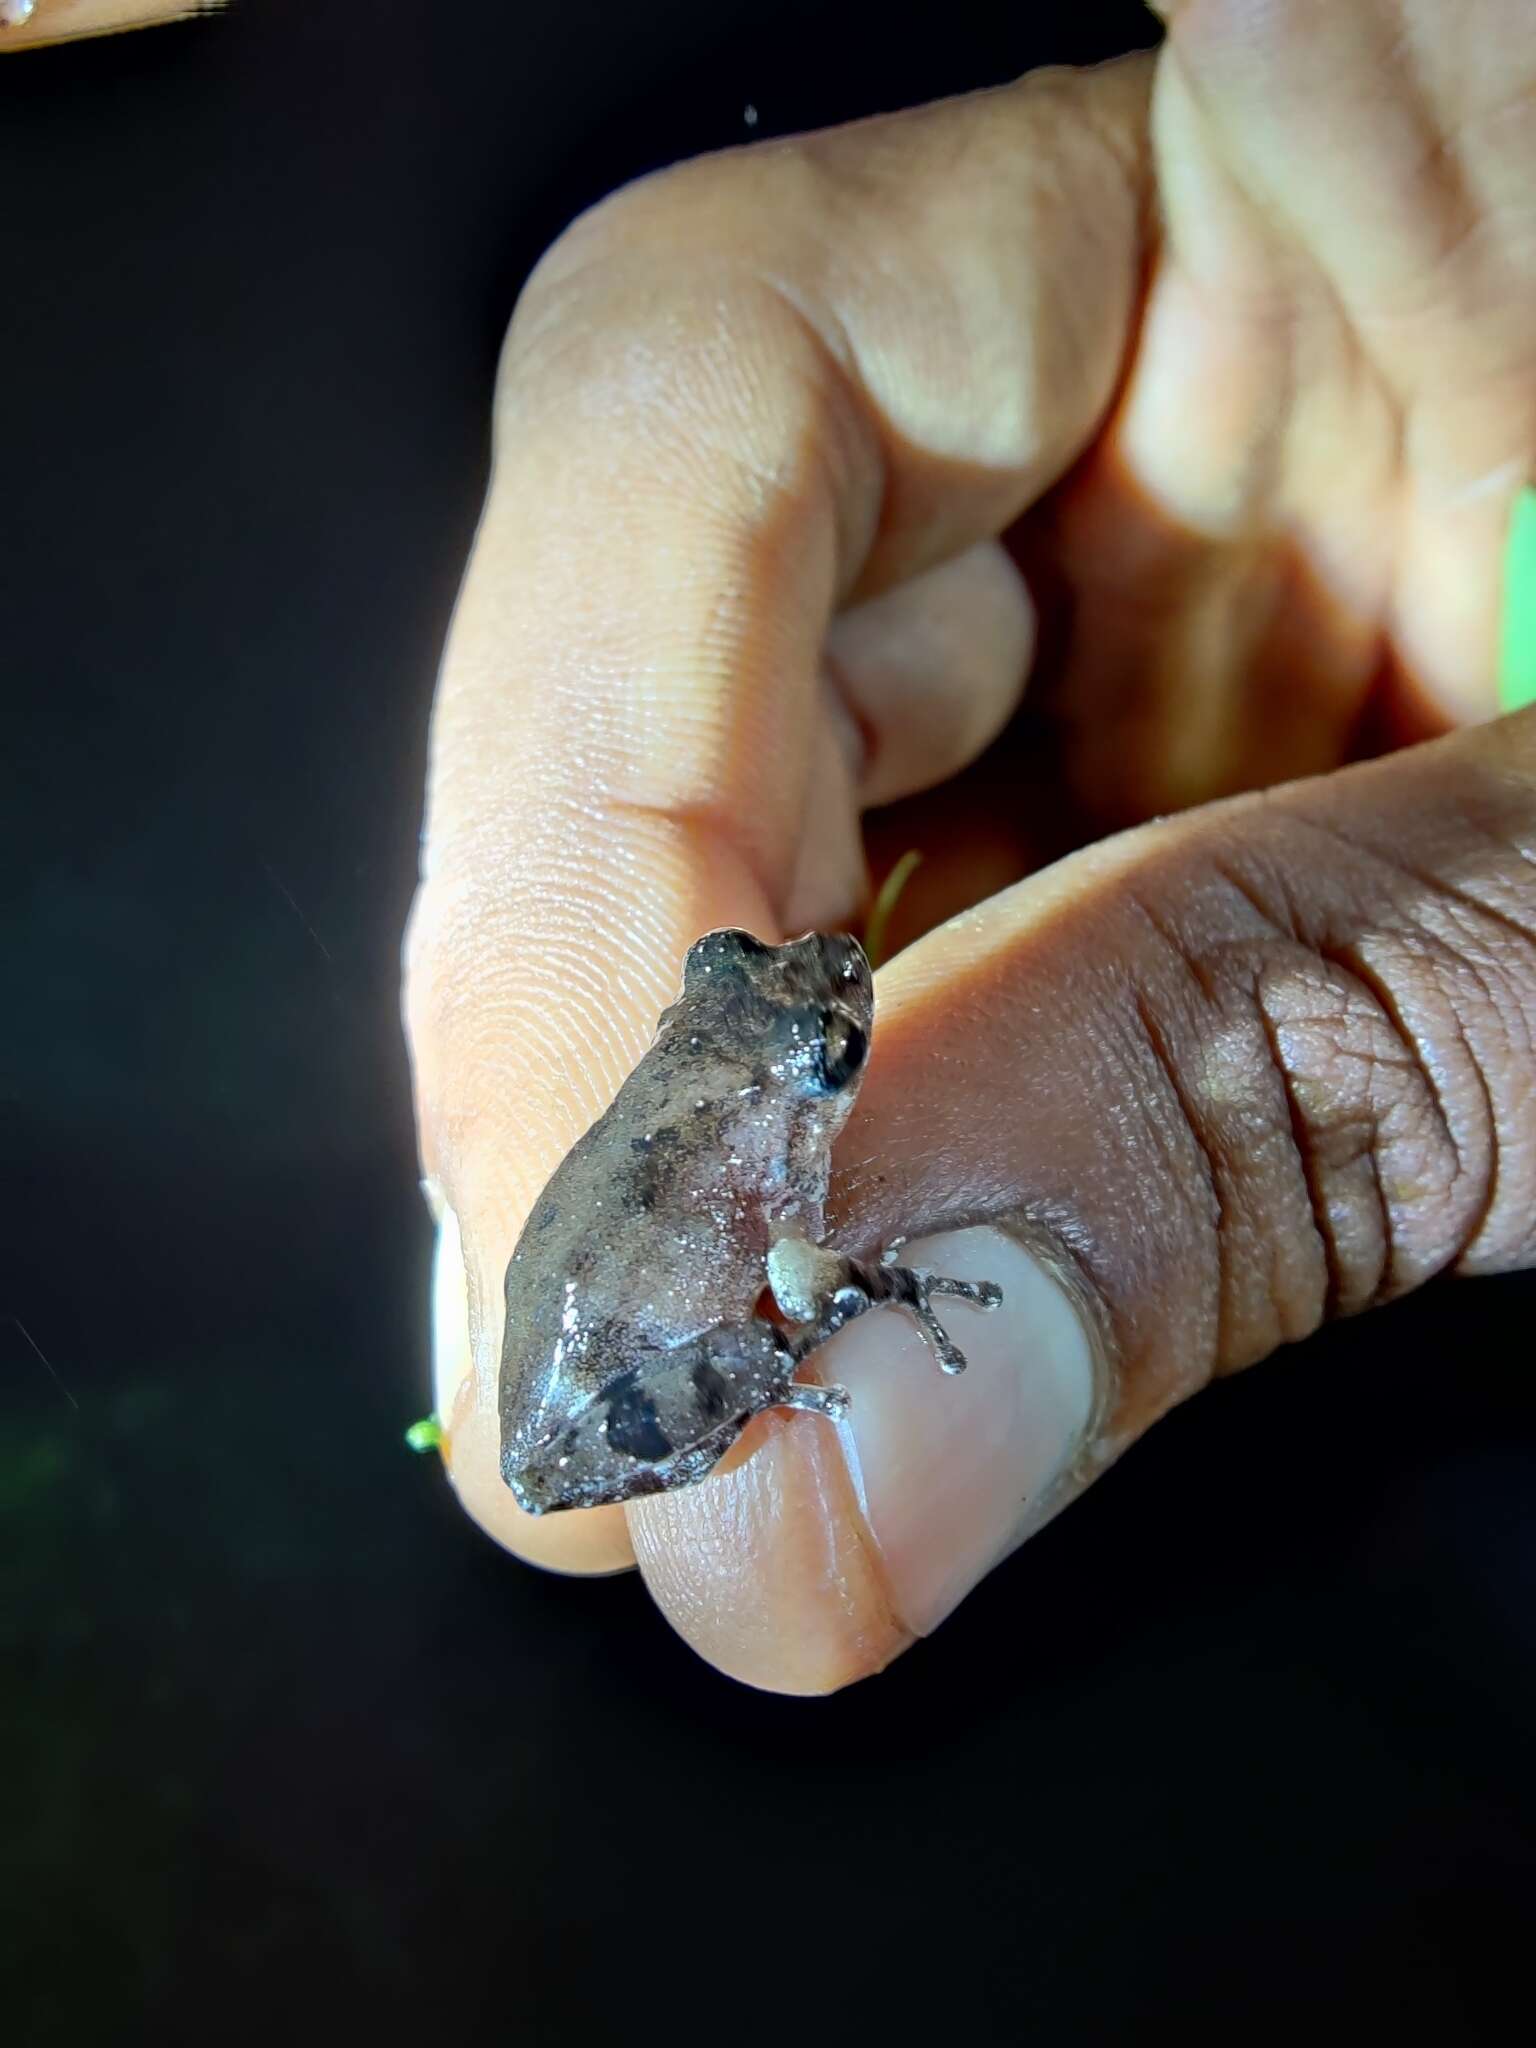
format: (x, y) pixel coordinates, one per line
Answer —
(820, 1291)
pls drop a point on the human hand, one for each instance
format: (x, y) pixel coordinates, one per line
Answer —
(1237, 347)
(34, 24)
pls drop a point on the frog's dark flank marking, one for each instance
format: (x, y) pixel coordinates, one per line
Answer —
(713, 1390)
(656, 1161)
(633, 1426)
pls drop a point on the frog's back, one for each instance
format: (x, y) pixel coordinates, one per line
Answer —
(633, 1245)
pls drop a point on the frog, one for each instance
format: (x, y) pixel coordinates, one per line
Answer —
(673, 1279)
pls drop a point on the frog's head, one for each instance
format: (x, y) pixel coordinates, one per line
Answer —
(807, 1007)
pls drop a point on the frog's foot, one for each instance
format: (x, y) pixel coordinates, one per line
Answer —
(913, 1290)
(857, 1286)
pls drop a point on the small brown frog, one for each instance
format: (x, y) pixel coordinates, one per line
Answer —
(636, 1349)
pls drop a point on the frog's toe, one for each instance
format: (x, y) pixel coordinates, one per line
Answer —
(833, 1402)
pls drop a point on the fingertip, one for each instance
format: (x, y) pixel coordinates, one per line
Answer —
(766, 1569)
(830, 1550)
(583, 1542)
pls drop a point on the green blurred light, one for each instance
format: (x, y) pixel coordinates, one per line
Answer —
(426, 1435)
(1517, 651)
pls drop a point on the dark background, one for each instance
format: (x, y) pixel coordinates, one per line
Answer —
(1243, 1742)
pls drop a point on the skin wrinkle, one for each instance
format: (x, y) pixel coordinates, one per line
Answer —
(1189, 1121)
(1331, 1291)
(969, 620)
(1350, 962)
(1340, 1139)
(1235, 880)
(834, 431)
(1259, 482)
(1274, 205)
(1229, 1158)
(1353, 1135)
(1020, 451)
(1444, 202)
(710, 832)
(716, 775)
(1218, 1220)
(829, 880)
(1435, 887)
(857, 737)
(1265, 1190)
(1474, 1066)
(839, 387)
(1482, 967)
(1440, 889)
(1219, 594)
(1285, 818)
(827, 318)
(1387, 1257)
(1262, 301)
(1320, 1203)
(1458, 959)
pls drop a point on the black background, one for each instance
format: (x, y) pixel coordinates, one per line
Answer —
(1243, 1742)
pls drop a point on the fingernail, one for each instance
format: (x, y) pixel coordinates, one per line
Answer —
(1517, 642)
(451, 1354)
(953, 1471)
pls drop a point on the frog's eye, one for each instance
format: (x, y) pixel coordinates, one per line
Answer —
(843, 1047)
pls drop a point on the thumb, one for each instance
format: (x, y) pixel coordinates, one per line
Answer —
(1185, 1096)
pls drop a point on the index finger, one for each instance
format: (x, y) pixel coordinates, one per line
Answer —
(733, 399)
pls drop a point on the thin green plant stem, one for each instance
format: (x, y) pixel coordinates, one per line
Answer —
(885, 903)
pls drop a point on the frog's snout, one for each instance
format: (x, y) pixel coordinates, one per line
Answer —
(646, 1429)
(529, 1503)
(542, 1479)
(529, 1491)
(610, 1450)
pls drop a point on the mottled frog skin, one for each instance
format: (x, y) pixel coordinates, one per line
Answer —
(670, 1279)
